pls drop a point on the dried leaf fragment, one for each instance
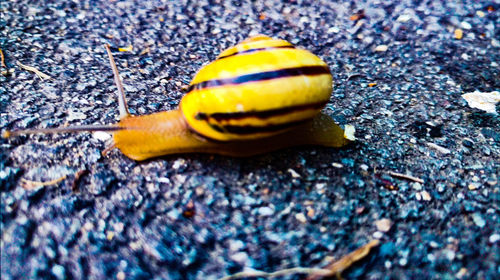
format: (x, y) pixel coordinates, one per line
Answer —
(334, 269)
(357, 16)
(129, 48)
(2, 59)
(404, 176)
(31, 185)
(337, 267)
(483, 100)
(39, 73)
(349, 131)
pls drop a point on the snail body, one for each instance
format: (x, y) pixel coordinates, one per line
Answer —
(164, 133)
(258, 96)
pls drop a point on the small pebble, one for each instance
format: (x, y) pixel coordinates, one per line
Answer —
(418, 196)
(417, 186)
(461, 273)
(80, 86)
(441, 187)
(465, 25)
(404, 18)
(381, 48)
(320, 186)
(178, 163)
(494, 238)
(495, 43)
(478, 220)
(474, 186)
(434, 244)
(293, 173)
(383, 225)
(266, 211)
(120, 275)
(426, 196)
(101, 136)
(337, 165)
(240, 257)
(236, 245)
(333, 29)
(310, 212)
(58, 271)
(459, 34)
(216, 31)
(301, 217)
(88, 226)
(450, 255)
(492, 182)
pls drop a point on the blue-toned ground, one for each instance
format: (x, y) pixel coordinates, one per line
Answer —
(399, 70)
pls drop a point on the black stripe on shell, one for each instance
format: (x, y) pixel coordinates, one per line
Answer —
(262, 76)
(256, 50)
(264, 114)
(250, 129)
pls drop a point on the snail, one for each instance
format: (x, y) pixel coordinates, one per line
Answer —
(260, 95)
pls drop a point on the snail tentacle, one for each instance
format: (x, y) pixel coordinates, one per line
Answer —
(122, 101)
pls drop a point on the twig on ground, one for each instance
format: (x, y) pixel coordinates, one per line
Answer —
(283, 272)
(337, 267)
(404, 176)
(39, 73)
(333, 269)
(31, 185)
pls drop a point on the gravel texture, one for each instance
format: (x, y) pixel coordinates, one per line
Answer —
(399, 70)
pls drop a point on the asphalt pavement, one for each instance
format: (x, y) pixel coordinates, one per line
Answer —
(422, 178)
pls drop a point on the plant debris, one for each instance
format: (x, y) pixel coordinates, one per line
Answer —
(39, 73)
(334, 269)
(2, 59)
(404, 176)
(485, 101)
(31, 185)
(337, 267)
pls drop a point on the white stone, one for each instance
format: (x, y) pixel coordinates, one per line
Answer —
(266, 211)
(494, 238)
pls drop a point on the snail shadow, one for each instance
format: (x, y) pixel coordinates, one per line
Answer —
(279, 161)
